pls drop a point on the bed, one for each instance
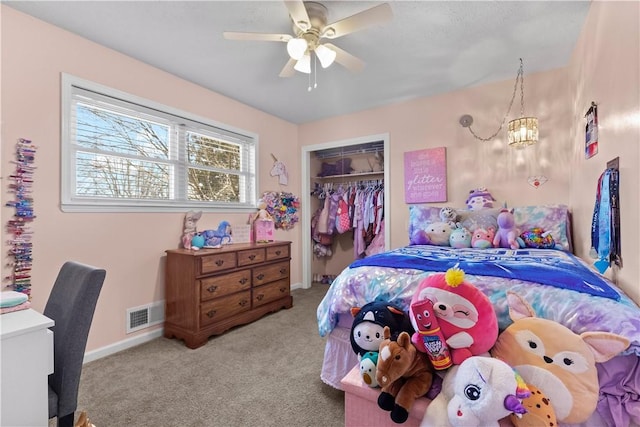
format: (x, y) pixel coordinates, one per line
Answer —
(555, 289)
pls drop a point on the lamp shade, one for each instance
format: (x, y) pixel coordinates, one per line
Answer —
(325, 55)
(304, 64)
(296, 48)
(523, 131)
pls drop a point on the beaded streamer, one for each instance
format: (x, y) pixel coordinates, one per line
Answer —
(20, 245)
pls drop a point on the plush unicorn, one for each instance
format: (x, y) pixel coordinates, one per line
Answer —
(217, 238)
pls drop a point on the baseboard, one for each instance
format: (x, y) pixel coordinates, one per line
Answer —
(137, 340)
(121, 345)
(298, 285)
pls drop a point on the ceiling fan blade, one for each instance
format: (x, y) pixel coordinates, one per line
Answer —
(288, 70)
(298, 13)
(367, 18)
(350, 62)
(266, 37)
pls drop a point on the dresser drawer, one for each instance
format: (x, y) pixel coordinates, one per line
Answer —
(270, 292)
(221, 308)
(252, 256)
(269, 273)
(214, 287)
(276, 252)
(217, 262)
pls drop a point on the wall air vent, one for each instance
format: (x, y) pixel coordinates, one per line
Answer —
(145, 316)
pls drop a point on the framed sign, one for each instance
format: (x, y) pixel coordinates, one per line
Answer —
(425, 175)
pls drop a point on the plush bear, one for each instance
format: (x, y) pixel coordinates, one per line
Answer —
(367, 331)
(559, 362)
(466, 317)
(477, 393)
(507, 236)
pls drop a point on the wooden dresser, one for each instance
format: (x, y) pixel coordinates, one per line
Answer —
(211, 290)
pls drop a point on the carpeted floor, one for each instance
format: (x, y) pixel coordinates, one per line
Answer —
(266, 373)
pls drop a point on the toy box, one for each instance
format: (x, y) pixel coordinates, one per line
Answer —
(263, 231)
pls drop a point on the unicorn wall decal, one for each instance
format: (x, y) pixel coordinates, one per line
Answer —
(280, 170)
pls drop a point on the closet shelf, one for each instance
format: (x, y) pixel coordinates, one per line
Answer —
(351, 174)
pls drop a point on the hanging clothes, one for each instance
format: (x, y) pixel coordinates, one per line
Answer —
(605, 227)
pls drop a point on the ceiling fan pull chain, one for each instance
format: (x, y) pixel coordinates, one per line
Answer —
(315, 71)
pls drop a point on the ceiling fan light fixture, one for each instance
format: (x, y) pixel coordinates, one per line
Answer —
(296, 48)
(304, 64)
(325, 55)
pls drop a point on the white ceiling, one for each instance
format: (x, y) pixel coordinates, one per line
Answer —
(429, 47)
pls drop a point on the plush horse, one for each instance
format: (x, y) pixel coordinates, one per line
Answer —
(217, 238)
(403, 373)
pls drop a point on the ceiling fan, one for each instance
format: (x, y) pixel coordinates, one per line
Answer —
(310, 27)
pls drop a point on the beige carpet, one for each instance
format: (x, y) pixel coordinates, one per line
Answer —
(266, 373)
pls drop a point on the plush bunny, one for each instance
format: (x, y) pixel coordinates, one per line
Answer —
(189, 230)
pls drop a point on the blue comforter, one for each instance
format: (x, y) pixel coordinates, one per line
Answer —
(549, 267)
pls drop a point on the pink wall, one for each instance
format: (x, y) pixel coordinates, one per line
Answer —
(433, 122)
(605, 68)
(129, 246)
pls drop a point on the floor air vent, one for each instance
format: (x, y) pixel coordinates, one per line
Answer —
(144, 316)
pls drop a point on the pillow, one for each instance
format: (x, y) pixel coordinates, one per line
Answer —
(483, 218)
(553, 218)
(420, 217)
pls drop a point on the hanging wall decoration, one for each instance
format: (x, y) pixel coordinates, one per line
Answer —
(279, 169)
(537, 181)
(591, 131)
(283, 207)
(425, 176)
(20, 245)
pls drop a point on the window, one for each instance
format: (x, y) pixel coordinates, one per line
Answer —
(124, 153)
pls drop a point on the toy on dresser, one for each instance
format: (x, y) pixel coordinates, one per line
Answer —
(189, 229)
(367, 333)
(467, 319)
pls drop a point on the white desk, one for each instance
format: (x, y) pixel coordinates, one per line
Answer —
(26, 347)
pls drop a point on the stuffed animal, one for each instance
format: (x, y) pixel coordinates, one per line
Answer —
(438, 233)
(427, 326)
(218, 237)
(507, 236)
(538, 238)
(367, 329)
(477, 393)
(466, 316)
(483, 238)
(479, 198)
(554, 359)
(368, 364)
(404, 375)
(540, 412)
(460, 237)
(189, 230)
(449, 215)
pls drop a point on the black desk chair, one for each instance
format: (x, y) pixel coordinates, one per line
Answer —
(71, 305)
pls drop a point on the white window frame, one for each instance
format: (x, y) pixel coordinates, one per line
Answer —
(178, 202)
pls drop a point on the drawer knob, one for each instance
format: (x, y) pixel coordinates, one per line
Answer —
(243, 302)
(283, 289)
(212, 288)
(260, 276)
(243, 280)
(283, 270)
(278, 252)
(259, 297)
(252, 257)
(219, 262)
(211, 313)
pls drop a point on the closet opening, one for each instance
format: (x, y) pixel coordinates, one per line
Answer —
(345, 204)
